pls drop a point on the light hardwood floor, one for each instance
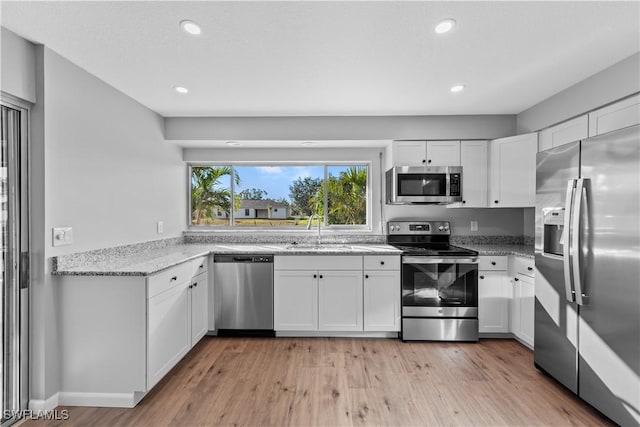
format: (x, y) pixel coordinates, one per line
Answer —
(344, 382)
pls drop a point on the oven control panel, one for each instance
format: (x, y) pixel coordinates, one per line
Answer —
(419, 227)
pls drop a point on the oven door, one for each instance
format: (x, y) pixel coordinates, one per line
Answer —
(439, 287)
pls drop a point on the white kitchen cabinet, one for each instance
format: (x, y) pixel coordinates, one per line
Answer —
(512, 180)
(295, 299)
(521, 272)
(563, 133)
(169, 331)
(199, 304)
(340, 300)
(494, 294)
(426, 153)
(615, 116)
(382, 293)
(473, 159)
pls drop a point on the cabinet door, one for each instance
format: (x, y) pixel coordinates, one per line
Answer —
(199, 304)
(525, 291)
(382, 300)
(295, 300)
(473, 159)
(169, 331)
(615, 116)
(569, 131)
(443, 153)
(512, 181)
(409, 153)
(340, 300)
(493, 301)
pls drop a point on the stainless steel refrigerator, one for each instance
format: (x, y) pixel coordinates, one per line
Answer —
(587, 256)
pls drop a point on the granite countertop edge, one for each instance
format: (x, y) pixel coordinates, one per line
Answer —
(526, 251)
(153, 262)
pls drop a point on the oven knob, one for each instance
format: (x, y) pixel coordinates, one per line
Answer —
(441, 228)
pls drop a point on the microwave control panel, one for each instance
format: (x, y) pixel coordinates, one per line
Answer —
(454, 184)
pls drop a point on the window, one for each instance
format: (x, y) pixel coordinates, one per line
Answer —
(284, 196)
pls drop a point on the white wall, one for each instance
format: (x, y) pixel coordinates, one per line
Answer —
(618, 81)
(18, 66)
(339, 128)
(100, 165)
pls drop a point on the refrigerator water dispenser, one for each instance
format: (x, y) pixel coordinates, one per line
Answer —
(553, 231)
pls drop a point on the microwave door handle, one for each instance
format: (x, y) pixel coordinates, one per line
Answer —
(566, 238)
(576, 239)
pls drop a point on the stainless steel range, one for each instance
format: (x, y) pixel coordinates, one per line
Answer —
(439, 282)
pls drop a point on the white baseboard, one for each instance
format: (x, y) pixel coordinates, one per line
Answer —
(105, 400)
(337, 334)
(45, 405)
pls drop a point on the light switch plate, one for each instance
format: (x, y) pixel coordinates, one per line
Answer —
(62, 236)
(474, 225)
(160, 227)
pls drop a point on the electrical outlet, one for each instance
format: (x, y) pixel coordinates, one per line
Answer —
(62, 236)
(474, 225)
(160, 227)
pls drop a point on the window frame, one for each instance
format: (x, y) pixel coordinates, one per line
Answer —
(367, 227)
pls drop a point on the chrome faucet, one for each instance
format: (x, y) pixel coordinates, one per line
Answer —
(315, 215)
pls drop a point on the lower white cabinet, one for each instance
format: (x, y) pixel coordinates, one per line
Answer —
(198, 307)
(382, 293)
(169, 331)
(340, 300)
(493, 301)
(295, 300)
(521, 271)
(337, 293)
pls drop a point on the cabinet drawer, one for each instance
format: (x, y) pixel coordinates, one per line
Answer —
(199, 265)
(524, 266)
(381, 262)
(317, 262)
(492, 263)
(164, 280)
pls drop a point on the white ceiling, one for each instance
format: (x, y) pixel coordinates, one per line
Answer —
(298, 58)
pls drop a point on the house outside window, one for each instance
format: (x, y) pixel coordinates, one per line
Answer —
(286, 196)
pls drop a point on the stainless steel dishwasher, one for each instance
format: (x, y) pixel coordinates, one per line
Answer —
(243, 292)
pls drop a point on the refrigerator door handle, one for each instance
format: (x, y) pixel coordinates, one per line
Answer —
(566, 246)
(576, 241)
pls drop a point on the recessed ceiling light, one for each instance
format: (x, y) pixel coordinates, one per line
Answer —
(233, 143)
(445, 26)
(307, 142)
(181, 89)
(190, 27)
(457, 88)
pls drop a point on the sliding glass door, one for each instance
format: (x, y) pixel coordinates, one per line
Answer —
(13, 240)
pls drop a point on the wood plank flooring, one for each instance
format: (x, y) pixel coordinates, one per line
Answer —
(348, 382)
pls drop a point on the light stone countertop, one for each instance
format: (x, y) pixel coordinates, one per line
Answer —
(500, 249)
(152, 261)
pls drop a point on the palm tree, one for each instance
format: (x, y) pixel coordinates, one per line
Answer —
(207, 192)
(346, 199)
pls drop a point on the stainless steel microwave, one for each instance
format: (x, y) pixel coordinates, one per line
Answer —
(424, 184)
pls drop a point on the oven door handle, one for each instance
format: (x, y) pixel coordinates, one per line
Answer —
(438, 260)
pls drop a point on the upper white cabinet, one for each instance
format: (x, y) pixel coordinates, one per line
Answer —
(426, 153)
(473, 159)
(512, 181)
(569, 131)
(615, 116)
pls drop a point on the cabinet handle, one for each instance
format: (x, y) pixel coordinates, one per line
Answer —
(195, 284)
(366, 276)
(174, 278)
(464, 201)
(493, 263)
(530, 268)
(321, 276)
(315, 276)
(516, 279)
(201, 266)
(190, 286)
(495, 201)
(429, 161)
(482, 277)
(381, 262)
(424, 161)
